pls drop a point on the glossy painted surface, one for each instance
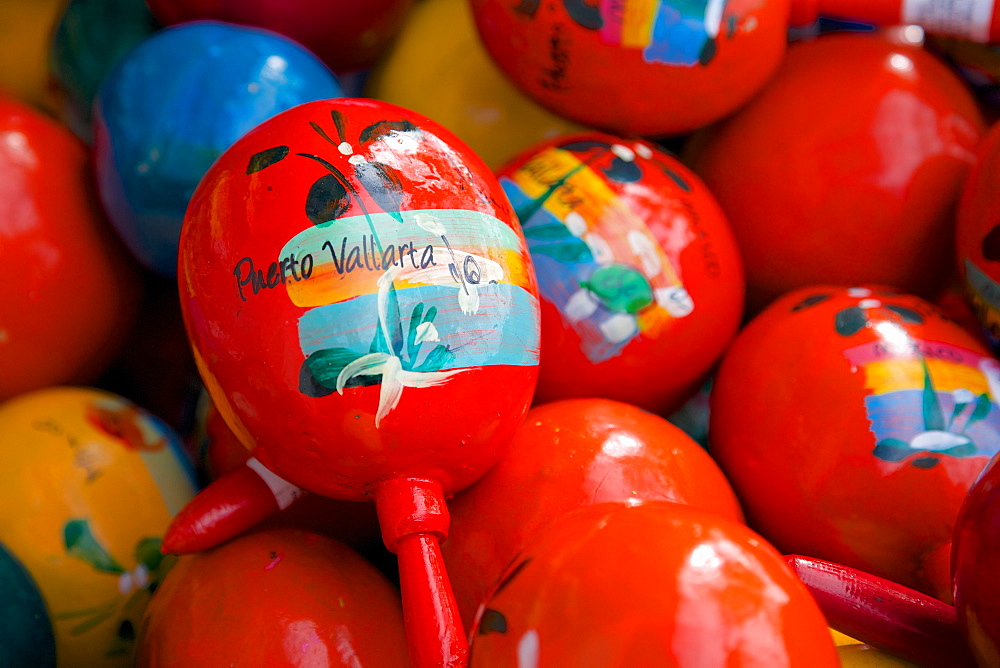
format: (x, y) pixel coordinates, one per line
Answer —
(443, 404)
(851, 423)
(89, 484)
(697, 590)
(978, 237)
(974, 567)
(644, 68)
(860, 191)
(883, 614)
(172, 105)
(438, 67)
(346, 34)
(89, 38)
(569, 454)
(282, 597)
(72, 291)
(640, 279)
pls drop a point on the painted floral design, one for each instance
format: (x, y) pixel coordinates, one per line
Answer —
(134, 586)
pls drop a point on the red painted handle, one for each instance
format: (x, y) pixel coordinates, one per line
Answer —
(414, 520)
(886, 615)
(237, 501)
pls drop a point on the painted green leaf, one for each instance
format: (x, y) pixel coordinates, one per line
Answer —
(88, 624)
(623, 171)
(892, 450)
(571, 251)
(983, 406)
(411, 335)
(967, 449)
(325, 366)
(933, 416)
(80, 543)
(850, 321)
(437, 359)
(147, 553)
(266, 158)
(956, 411)
(308, 385)
(908, 315)
(621, 288)
(584, 145)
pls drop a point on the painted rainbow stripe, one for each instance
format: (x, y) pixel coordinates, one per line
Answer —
(350, 254)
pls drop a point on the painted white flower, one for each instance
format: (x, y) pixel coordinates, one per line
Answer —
(429, 223)
(137, 578)
(394, 377)
(963, 396)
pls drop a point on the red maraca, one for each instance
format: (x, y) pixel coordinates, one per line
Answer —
(851, 423)
(365, 317)
(978, 236)
(639, 274)
(569, 454)
(862, 191)
(657, 68)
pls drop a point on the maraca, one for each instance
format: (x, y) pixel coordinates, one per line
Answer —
(656, 584)
(862, 191)
(172, 105)
(640, 278)
(76, 290)
(852, 422)
(978, 237)
(364, 315)
(568, 454)
(301, 597)
(347, 35)
(669, 67)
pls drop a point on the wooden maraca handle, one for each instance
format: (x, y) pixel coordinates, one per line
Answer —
(414, 521)
(886, 615)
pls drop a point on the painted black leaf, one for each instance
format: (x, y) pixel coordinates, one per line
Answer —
(383, 184)
(492, 622)
(850, 321)
(892, 450)
(623, 171)
(510, 576)
(585, 14)
(909, 315)
(707, 51)
(991, 245)
(585, 145)
(925, 462)
(327, 200)
(340, 122)
(677, 178)
(528, 7)
(811, 300)
(383, 128)
(321, 132)
(266, 158)
(308, 385)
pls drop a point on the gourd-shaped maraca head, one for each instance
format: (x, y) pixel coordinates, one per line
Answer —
(852, 422)
(649, 69)
(359, 299)
(978, 236)
(640, 279)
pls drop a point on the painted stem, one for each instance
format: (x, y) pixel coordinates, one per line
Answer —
(883, 614)
(414, 520)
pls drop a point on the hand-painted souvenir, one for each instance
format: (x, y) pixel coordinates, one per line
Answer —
(90, 37)
(457, 84)
(89, 482)
(72, 292)
(851, 423)
(25, 29)
(975, 569)
(666, 68)
(568, 454)
(859, 191)
(886, 615)
(978, 237)
(348, 35)
(636, 68)
(658, 584)
(172, 105)
(640, 280)
(365, 317)
(281, 597)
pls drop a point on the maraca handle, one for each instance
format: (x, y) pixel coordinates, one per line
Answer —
(886, 615)
(236, 502)
(414, 521)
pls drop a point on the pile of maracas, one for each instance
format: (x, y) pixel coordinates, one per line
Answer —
(639, 333)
